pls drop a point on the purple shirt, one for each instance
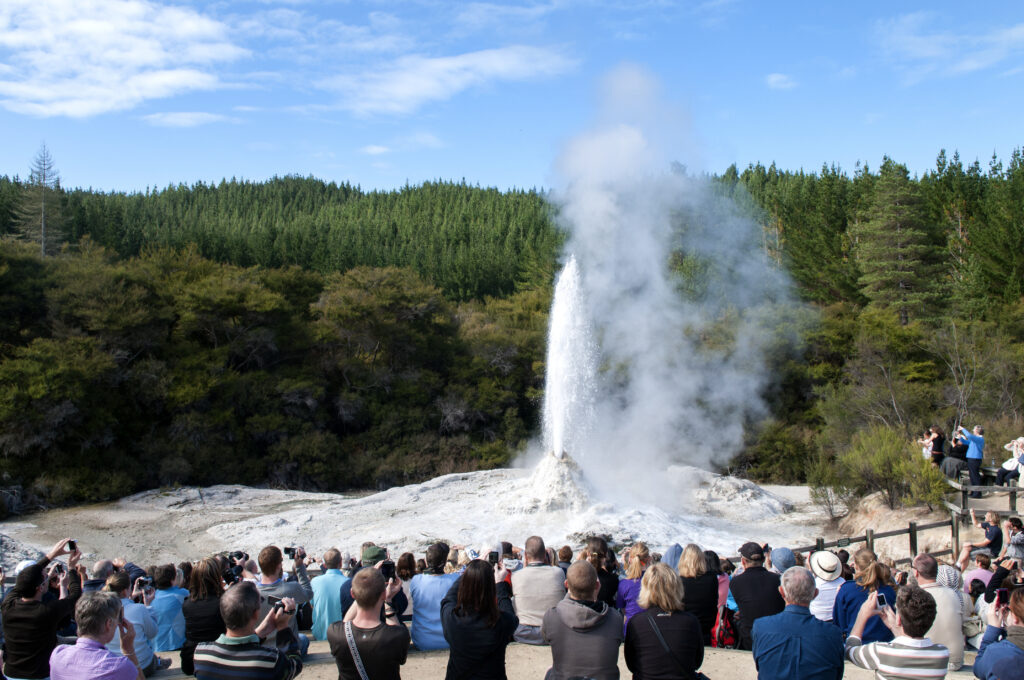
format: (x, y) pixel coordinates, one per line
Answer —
(89, 659)
(983, 575)
(625, 599)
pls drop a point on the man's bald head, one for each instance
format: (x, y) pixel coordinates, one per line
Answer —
(581, 579)
(535, 550)
(102, 569)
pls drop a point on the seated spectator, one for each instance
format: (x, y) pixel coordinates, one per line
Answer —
(203, 622)
(700, 589)
(828, 580)
(381, 646)
(240, 645)
(564, 558)
(629, 587)
(948, 627)
(869, 576)
(273, 585)
(780, 559)
(714, 567)
(405, 569)
(29, 624)
(662, 618)
(478, 618)
(756, 592)
(537, 587)
(428, 589)
(372, 556)
(327, 594)
(1009, 471)
(185, 569)
(1003, 639)
(584, 632)
(98, 615)
(167, 607)
(910, 654)
(604, 562)
(981, 571)
(991, 545)
(1014, 544)
(101, 571)
(794, 644)
(141, 619)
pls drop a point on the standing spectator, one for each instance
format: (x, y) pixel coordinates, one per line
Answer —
(992, 544)
(405, 569)
(478, 621)
(1004, 637)
(828, 580)
(975, 455)
(981, 571)
(98, 615)
(934, 443)
(1014, 544)
(428, 589)
(272, 584)
(869, 576)
(537, 588)
(794, 645)
(948, 628)
(700, 589)
(29, 624)
(756, 592)
(663, 640)
(167, 607)
(583, 631)
(240, 646)
(598, 554)
(203, 622)
(381, 647)
(327, 594)
(629, 587)
(911, 654)
(142, 621)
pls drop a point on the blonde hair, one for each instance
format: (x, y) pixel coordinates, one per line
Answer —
(868, 572)
(692, 563)
(660, 587)
(639, 558)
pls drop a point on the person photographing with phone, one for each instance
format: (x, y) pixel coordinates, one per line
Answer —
(273, 585)
(1003, 642)
(100, 618)
(910, 654)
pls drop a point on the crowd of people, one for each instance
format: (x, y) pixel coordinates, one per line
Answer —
(800, 615)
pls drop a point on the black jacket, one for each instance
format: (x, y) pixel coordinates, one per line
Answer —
(203, 623)
(646, 656)
(476, 649)
(756, 592)
(700, 598)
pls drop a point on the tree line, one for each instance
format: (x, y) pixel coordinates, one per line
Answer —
(311, 334)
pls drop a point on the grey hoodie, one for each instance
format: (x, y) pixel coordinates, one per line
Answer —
(584, 641)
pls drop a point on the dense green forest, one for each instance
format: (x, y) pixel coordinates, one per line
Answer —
(299, 333)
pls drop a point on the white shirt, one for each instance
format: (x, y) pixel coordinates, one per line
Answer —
(144, 622)
(821, 606)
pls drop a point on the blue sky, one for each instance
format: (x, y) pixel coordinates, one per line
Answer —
(135, 93)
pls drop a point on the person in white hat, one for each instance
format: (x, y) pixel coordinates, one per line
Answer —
(828, 577)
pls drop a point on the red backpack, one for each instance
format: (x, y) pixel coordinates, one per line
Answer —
(723, 634)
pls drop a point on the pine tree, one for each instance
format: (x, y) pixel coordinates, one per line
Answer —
(893, 246)
(39, 210)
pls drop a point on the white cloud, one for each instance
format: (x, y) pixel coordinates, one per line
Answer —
(414, 80)
(80, 58)
(920, 51)
(186, 119)
(779, 81)
(476, 16)
(375, 149)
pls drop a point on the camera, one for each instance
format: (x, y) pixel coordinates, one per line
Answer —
(72, 545)
(145, 581)
(882, 602)
(387, 570)
(229, 576)
(291, 552)
(492, 557)
(1002, 597)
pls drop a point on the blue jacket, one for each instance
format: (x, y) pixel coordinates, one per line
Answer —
(427, 591)
(993, 650)
(844, 612)
(975, 444)
(327, 601)
(170, 621)
(793, 645)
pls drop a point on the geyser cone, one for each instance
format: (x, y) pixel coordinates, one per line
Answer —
(556, 484)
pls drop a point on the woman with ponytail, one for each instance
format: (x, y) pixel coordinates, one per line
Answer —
(629, 587)
(597, 554)
(869, 575)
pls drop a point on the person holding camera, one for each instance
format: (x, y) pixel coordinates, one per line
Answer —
(100, 620)
(1003, 637)
(371, 642)
(29, 624)
(239, 652)
(478, 621)
(166, 605)
(911, 653)
(273, 587)
(140, 618)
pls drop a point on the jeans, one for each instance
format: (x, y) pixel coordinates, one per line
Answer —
(1004, 476)
(974, 468)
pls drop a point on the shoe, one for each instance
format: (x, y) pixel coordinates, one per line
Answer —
(163, 663)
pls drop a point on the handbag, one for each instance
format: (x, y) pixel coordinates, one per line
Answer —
(973, 626)
(355, 652)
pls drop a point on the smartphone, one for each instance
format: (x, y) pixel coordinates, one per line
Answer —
(882, 601)
(72, 545)
(387, 570)
(492, 557)
(1002, 597)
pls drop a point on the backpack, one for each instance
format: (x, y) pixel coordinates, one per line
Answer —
(723, 633)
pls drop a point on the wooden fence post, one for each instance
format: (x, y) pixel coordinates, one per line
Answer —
(955, 529)
(869, 539)
(963, 504)
(819, 544)
(1013, 502)
(912, 530)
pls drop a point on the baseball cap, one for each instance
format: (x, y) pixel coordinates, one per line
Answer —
(752, 551)
(372, 555)
(783, 559)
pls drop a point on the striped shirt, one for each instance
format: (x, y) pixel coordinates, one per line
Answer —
(904, 658)
(231, 658)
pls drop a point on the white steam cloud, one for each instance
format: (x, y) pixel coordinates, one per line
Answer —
(682, 360)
